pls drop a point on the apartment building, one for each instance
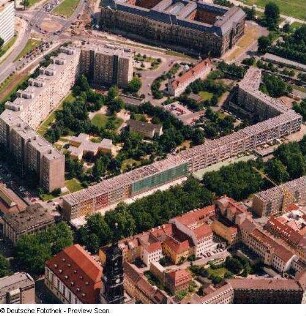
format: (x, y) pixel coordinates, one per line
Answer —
(272, 252)
(106, 65)
(254, 291)
(177, 85)
(32, 152)
(138, 287)
(18, 288)
(185, 235)
(291, 229)
(7, 20)
(281, 121)
(73, 276)
(178, 280)
(275, 200)
(33, 219)
(45, 92)
(199, 26)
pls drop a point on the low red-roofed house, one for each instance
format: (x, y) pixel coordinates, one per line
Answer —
(177, 86)
(178, 280)
(73, 276)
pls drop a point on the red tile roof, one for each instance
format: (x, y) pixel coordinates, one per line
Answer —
(195, 216)
(79, 272)
(177, 246)
(194, 72)
(279, 250)
(202, 231)
(153, 247)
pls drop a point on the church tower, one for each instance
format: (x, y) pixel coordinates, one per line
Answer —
(112, 291)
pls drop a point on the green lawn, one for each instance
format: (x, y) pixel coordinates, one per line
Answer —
(17, 80)
(31, 44)
(217, 272)
(296, 8)
(7, 46)
(42, 129)
(66, 8)
(102, 120)
(73, 185)
(205, 95)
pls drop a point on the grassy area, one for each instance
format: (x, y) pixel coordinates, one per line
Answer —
(10, 85)
(299, 88)
(31, 44)
(295, 25)
(205, 95)
(7, 46)
(102, 120)
(42, 129)
(66, 8)
(296, 8)
(47, 197)
(217, 272)
(73, 185)
(32, 2)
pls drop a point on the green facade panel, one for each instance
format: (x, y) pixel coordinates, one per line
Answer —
(160, 178)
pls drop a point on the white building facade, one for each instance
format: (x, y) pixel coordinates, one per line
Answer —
(7, 20)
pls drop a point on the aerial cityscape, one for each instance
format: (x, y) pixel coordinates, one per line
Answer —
(152, 152)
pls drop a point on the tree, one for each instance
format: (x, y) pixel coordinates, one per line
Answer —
(272, 15)
(277, 171)
(1, 42)
(233, 265)
(4, 266)
(112, 93)
(134, 85)
(31, 254)
(263, 43)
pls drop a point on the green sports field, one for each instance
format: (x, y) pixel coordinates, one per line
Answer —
(294, 8)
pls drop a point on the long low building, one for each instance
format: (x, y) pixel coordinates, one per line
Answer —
(204, 27)
(124, 186)
(281, 122)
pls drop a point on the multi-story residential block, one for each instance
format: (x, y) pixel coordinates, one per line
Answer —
(178, 280)
(275, 200)
(137, 286)
(107, 65)
(255, 291)
(32, 152)
(268, 249)
(33, 219)
(266, 291)
(119, 188)
(73, 276)
(280, 122)
(45, 92)
(7, 20)
(176, 86)
(10, 202)
(148, 130)
(291, 228)
(194, 225)
(221, 295)
(204, 27)
(184, 235)
(18, 288)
